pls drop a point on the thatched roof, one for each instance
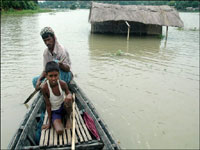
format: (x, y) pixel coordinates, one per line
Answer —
(158, 15)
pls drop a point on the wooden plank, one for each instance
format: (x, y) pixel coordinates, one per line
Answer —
(76, 138)
(78, 132)
(73, 124)
(51, 136)
(55, 138)
(68, 136)
(65, 137)
(46, 136)
(84, 146)
(60, 140)
(102, 130)
(31, 139)
(83, 124)
(43, 131)
(79, 125)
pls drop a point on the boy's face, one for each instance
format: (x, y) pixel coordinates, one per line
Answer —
(52, 76)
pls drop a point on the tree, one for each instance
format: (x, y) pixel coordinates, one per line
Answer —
(19, 4)
(172, 3)
(195, 4)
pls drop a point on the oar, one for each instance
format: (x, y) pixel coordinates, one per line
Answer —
(32, 94)
(73, 125)
(35, 91)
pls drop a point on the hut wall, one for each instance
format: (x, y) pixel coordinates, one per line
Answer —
(109, 27)
(120, 27)
(154, 29)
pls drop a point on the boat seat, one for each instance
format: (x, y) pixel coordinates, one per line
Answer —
(49, 137)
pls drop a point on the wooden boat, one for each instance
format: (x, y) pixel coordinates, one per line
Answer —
(25, 136)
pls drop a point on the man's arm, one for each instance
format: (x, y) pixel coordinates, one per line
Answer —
(39, 81)
(66, 62)
(64, 67)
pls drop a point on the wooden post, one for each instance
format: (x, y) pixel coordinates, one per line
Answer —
(166, 35)
(128, 30)
(73, 125)
(166, 32)
(91, 28)
(127, 46)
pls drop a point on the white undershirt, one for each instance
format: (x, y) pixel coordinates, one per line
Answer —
(55, 101)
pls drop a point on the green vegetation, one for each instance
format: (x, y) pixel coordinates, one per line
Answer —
(180, 29)
(194, 29)
(28, 11)
(119, 52)
(179, 5)
(65, 4)
(190, 29)
(160, 36)
(8, 6)
(18, 4)
(21, 7)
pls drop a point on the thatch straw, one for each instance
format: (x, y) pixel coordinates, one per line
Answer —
(156, 15)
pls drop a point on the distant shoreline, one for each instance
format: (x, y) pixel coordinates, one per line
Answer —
(43, 10)
(25, 11)
(191, 11)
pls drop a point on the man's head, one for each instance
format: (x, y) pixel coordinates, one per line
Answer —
(48, 37)
(52, 72)
(46, 31)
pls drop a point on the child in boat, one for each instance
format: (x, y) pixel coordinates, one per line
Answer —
(58, 99)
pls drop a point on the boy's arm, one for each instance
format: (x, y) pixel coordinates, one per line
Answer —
(66, 89)
(48, 106)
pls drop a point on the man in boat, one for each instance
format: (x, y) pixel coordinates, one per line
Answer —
(58, 99)
(54, 52)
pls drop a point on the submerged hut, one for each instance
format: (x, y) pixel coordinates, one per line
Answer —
(133, 19)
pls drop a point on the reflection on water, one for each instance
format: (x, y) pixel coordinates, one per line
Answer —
(147, 93)
(114, 42)
(139, 48)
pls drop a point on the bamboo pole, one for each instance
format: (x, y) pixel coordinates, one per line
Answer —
(166, 32)
(83, 124)
(128, 30)
(73, 129)
(166, 36)
(127, 46)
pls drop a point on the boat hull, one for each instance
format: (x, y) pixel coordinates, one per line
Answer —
(25, 135)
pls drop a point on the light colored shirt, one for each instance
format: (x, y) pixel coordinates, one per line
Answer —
(59, 53)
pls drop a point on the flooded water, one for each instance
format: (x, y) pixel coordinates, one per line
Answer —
(146, 89)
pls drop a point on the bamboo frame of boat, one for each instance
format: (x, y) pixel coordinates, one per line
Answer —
(24, 137)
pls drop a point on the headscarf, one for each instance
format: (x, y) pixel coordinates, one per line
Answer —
(47, 30)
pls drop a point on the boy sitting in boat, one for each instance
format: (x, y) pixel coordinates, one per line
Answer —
(58, 99)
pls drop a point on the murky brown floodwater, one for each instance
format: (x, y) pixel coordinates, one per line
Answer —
(148, 95)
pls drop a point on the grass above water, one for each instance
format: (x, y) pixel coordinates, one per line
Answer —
(189, 29)
(28, 11)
